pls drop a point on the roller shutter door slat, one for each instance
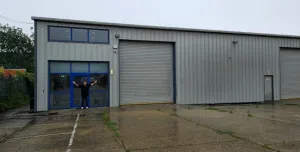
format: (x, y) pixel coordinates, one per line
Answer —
(146, 72)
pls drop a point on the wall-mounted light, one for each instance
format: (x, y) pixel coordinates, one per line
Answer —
(117, 36)
(235, 42)
(115, 47)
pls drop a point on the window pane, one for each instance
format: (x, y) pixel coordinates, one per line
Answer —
(98, 67)
(99, 99)
(79, 35)
(99, 36)
(59, 67)
(102, 81)
(80, 67)
(59, 34)
(60, 83)
(60, 100)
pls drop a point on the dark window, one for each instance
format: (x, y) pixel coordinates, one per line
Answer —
(59, 100)
(98, 36)
(102, 81)
(69, 34)
(79, 35)
(99, 99)
(59, 90)
(60, 83)
(59, 34)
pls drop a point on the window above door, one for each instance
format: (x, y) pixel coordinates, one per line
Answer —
(77, 35)
(65, 67)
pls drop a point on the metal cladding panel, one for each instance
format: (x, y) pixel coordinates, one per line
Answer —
(35, 68)
(290, 73)
(209, 67)
(78, 52)
(146, 72)
(41, 73)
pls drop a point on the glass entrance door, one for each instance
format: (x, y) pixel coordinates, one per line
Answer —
(64, 94)
(76, 91)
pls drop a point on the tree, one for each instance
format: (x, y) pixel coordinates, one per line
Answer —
(16, 49)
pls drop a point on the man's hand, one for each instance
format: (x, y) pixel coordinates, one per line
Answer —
(94, 83)
(75, 83)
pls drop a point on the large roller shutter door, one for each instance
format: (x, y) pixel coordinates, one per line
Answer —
(146, 72)
(290, 73)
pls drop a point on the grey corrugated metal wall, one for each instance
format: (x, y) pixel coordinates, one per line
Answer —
(209, 67)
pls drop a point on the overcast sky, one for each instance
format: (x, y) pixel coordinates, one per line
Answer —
(263, 16)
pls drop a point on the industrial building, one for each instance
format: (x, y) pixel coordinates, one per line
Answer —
(136, 64)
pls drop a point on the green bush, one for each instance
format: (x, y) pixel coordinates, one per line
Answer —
(19, 91)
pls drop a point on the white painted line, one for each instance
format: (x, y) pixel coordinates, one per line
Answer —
(73, 134)
(66, 133)
(296, 115)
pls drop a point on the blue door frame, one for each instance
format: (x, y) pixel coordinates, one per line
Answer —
(72, 88)
(71, 92)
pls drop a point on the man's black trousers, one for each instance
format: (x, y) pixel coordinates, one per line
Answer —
(84, 101)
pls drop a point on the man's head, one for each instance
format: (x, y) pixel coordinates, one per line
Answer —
(84, 83)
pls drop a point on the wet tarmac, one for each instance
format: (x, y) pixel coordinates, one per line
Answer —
(162, 128)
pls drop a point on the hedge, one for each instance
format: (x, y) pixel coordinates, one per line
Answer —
(18, 91)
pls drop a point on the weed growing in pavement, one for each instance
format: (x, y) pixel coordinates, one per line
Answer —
(117, 134)
(211, 108)
(223, 132)
(216, 109)
(105, 117)
(267, 146)
(110, 124)
(249, 114)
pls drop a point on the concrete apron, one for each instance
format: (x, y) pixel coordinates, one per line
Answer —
(164, 128)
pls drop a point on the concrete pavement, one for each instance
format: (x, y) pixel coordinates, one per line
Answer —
(163, 128)
(10, 124)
